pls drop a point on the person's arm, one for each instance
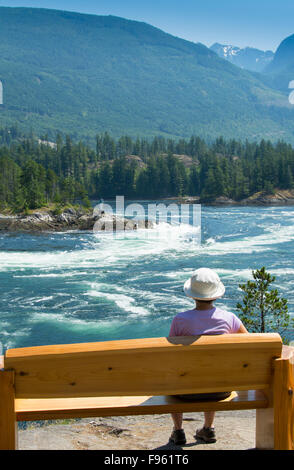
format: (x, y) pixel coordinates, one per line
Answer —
(242, 329)
(237, 325)
(173, 328)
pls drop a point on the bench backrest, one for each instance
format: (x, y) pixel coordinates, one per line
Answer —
(152, 366)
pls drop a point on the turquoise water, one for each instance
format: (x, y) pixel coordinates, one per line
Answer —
(79, 287)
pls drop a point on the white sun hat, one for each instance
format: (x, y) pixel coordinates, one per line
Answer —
(204, 284)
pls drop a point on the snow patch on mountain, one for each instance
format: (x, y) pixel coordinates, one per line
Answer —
(246, 58)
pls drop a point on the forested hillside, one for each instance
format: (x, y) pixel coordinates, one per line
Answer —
(83, 74)
(34, 174)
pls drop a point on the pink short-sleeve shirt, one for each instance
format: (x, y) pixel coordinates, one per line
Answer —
(204, 322)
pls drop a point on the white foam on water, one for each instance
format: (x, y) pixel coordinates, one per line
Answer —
(112, 250)
(73, 323)
(22, 332)
(210, 241)
(100, 251)
(140, 243)
(54, 275)
(281, 271)
(186, 273)
(182, 274)
(273, 235)
(124, 302)
(132, 294)
(235, 273)
(42, 299)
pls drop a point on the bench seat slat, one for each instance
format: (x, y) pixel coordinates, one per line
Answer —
(150, 366)
(65, 408)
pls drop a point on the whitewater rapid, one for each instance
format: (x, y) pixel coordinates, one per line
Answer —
(74, 287)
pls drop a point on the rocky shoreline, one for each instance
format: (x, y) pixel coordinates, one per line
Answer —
(279, 198)
(87, 220)
(69, 219)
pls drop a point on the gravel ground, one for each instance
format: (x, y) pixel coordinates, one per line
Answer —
(235, 431)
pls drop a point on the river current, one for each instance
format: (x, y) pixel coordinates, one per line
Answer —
(78, 287)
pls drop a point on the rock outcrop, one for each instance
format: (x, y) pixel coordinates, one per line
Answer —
(279, 197)
(282, 197)
(69, 219)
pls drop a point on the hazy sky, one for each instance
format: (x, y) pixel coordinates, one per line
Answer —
(256, 23)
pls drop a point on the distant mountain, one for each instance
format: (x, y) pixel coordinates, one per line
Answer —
(83, 74)
(281, 68)
(246, 58)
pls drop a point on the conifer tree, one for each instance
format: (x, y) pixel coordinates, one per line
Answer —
(262, 309)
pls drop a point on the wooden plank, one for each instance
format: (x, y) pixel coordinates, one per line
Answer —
(8, 425)
(66, 408)
(156, 366)
(256, 339)
(264, 430)
(284, 403)
(265, 427)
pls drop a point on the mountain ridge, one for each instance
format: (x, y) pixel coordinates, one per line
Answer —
(83, 74)
(250, 58)
(281, 69)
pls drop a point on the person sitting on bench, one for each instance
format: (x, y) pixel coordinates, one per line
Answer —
(204, 287)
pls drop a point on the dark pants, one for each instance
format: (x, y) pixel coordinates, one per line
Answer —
(204, 396)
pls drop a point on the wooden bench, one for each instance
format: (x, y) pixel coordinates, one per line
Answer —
(137, 377)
